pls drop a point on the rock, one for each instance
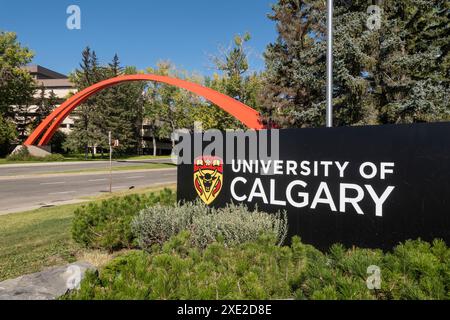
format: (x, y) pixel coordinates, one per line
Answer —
(35, 151)
(46, 285)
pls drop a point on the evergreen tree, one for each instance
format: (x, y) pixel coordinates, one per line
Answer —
(85, 132)
(117, 109)
(294, 83)
(412, 80)
(395, 73)
(121, 109)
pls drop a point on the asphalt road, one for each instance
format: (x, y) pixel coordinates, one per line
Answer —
(19, 193)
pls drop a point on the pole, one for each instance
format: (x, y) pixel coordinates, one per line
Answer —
(329, 119)
(110, 162)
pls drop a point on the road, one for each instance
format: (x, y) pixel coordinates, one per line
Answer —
(25, 190)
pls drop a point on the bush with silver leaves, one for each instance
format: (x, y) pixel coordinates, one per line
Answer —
(232, 225)
(235, 225)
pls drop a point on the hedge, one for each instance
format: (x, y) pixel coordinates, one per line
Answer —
(107, 225)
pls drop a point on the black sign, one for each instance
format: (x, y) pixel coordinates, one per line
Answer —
(371, 186)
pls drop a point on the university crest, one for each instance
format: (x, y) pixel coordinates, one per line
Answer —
(208, 177)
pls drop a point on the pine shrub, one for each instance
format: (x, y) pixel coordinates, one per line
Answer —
(180, 270)
(262, 270)
(413, 270)
(107, 225)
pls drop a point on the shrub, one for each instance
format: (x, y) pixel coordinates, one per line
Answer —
(232, 224)
(155, 225)
(262, 270)
(236, 224)
(417, 270)
(107, 225)
(414, 270)
(179, 270)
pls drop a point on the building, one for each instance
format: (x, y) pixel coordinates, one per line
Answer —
(56, 82)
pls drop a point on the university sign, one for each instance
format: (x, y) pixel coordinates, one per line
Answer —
(298, 173)
(365, 186)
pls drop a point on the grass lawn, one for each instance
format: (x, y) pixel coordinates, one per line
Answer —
(80, 157)
(144, 157)
(36, 239)
(33, 240)
(147, 166)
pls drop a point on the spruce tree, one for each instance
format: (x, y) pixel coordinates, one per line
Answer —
(121, 109)
(294, 78)
(396, 72)
(412, 81)
(117, 109)
(85, 132)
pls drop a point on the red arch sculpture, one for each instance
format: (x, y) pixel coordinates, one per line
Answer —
(48, 127)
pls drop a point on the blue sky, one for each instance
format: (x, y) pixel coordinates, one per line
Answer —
(141, 32)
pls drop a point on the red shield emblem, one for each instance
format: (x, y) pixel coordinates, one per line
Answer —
(208, 177)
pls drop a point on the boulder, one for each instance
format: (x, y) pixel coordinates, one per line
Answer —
(46, 285)
(35, 151)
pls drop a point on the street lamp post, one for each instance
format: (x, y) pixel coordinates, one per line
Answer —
(329, 118)
(110, 161)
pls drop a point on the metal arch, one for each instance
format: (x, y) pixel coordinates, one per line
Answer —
(245, 114)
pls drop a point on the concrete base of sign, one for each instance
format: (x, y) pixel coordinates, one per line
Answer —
(35, 151)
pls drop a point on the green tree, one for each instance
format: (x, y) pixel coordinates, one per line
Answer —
(117, 109)
(293, 91)
(7, 134)
(16, 87)
(16, 84)
(85, 132)
(121, 109)
(395, 73)
(412, 76)
(234, 80)
(23, 118)
(167, 107)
